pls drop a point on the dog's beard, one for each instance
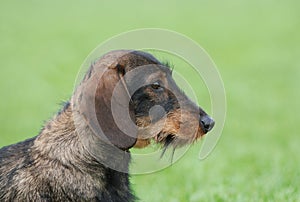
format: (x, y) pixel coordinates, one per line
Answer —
(167, 142)
(167, 134)
(171, 142)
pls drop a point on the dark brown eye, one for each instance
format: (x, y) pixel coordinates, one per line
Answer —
(156, 86)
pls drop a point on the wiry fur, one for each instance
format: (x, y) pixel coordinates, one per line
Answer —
(69, 159)
(56, 166)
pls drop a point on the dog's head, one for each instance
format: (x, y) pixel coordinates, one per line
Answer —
(134, 87)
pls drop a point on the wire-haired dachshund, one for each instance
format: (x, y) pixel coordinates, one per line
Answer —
(126, 99)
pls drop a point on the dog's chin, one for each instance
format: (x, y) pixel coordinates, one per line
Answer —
(167, 135)
(172, 140)
(167, 140)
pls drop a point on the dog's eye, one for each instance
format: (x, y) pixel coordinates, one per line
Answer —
(156, 86)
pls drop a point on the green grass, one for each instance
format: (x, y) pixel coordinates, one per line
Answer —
(255, 45)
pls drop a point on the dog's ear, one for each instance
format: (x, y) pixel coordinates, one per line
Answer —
(112, 93)
(101, 95)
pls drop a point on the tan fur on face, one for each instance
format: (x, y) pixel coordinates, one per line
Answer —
(184, 125)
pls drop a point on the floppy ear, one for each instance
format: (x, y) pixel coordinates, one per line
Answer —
(103, 107)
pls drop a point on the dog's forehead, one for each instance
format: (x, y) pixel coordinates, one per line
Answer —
(147, 74)
(159, 72)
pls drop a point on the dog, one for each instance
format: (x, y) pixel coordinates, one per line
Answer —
(126, 99)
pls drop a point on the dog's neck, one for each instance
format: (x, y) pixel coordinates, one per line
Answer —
(63, 140)
(82, 157)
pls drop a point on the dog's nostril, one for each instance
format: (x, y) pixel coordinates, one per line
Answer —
(207, 123)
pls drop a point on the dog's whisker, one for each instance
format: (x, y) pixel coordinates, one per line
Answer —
(166, 144)
(173, 152)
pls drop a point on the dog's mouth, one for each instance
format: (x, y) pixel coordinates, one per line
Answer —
(169, 133)
(167, 141)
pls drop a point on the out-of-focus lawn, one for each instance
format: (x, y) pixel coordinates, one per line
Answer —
(255, 44)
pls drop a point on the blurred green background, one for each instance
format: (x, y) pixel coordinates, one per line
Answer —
(255, 44)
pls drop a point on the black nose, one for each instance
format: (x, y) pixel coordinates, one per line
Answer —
(207, 123)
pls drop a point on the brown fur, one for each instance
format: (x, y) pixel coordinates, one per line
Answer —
(81, 154)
